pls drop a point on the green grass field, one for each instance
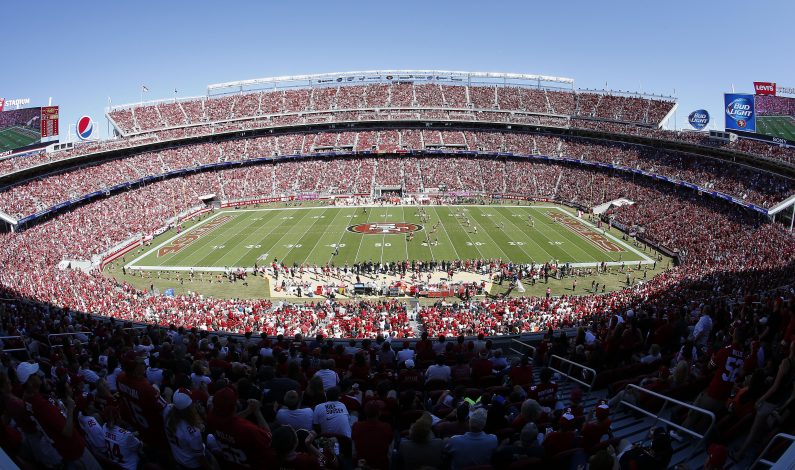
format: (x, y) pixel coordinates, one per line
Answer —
(16, 137)
(310, 235)
(779, 126)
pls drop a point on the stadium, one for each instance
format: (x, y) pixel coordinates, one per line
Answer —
(393, 268)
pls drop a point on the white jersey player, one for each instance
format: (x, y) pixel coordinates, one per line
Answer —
(183, 431)
(121, 446)
(95, 434)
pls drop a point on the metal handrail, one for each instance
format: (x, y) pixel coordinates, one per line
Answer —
(24, 343)
(658, 415)
(568, 371)
(49, 337)
(525, 345)
(763, 461)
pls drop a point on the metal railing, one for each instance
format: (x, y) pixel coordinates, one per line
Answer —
(587, 376)
(58, 335)
(769, 463)
(525, 348)
(658, 415)
(11, 350)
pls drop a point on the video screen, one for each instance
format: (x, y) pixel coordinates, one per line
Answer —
(775, 116)
(19, 128)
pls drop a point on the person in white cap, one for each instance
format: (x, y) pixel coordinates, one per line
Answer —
(184, 431)
(59, 427)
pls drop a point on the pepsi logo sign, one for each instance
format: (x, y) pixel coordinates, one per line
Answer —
(85, 127)
(384, 228)
(698, 119)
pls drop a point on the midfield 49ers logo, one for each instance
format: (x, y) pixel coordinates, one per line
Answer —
(384, 228)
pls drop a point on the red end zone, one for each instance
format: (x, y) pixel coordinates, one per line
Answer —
(384, 228)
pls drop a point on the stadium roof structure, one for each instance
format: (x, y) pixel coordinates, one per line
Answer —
(375, 76)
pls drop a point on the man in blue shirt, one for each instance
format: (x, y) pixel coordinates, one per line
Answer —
(473, 448)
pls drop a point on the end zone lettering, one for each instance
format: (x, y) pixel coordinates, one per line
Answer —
(584, 231)
(191, 237)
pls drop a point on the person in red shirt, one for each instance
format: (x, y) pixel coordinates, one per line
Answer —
(285, 442)
(563, 439)
(522, 373)
(240, 443)
(142, 405)
(372, 437)
(728, 365)
(593, 431)
(58, 425)
(482, 366)
(546, 392)
(410, 377)
(424, 348)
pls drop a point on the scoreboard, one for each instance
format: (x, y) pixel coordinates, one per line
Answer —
(49, 121)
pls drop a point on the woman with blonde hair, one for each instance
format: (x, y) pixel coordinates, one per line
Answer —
(422, 448)
(184, 432)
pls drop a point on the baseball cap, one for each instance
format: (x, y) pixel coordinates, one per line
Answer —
(602, 410)
(409, 363)
(25, 370)
(567, 420)
(182, 399)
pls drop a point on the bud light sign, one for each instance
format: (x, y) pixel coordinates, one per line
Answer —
(740, 114)
(698, 119)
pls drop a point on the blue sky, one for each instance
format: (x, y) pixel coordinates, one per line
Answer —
(81, 53)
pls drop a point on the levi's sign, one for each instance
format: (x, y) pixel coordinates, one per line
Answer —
(765, 88)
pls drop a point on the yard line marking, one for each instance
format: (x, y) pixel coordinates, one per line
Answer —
(328, 226)
(527, 235)
(441, 222)
(383, 238)
(308, 231)
(343, 235)
(567, 234)
(209, 253)
(361, 239)
(405, 241)
(288, 233)
(128, 265)
(275, 226)
(507, 258)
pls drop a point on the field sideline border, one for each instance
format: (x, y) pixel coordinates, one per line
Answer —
(132, 264)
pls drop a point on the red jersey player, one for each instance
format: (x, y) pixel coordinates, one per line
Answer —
(142, 404)
(727, 363)
(240, 443)
(546, 392)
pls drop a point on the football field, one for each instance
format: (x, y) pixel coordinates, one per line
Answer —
(779, 126)
(16, 137)
(340, 235)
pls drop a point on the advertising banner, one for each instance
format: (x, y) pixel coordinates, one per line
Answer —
(698, 119)
(740, 113)
(765, 88)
